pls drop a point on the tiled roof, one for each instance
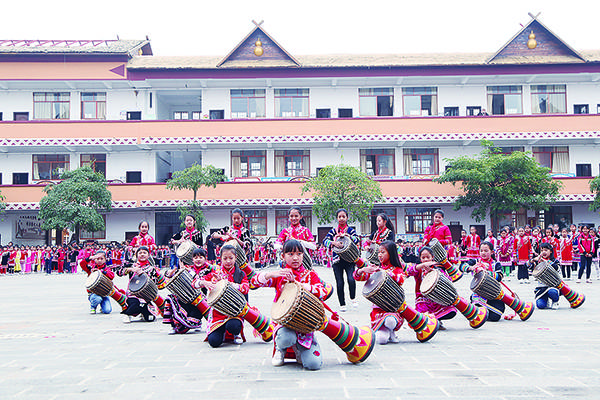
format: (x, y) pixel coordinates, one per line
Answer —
(71, 46)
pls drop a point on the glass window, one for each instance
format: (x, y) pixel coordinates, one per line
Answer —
(49, 166)
(376, 102)
(421, 161)
(85, 235)
(48, 105)
(292, 163)
(505, 99)
(95, 161)
(548, 99)
(247, 103)
(248, 163)
(417, 219)
(420, 101)
(93, 105)
(371, 224)
(181, 115)
(282, 220)
(257, 221)
(509, 150)
(377, 161)
(556, 158)
(291, 103)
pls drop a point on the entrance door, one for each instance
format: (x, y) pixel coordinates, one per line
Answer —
(322, 232)
(480, 231)
(455, 231)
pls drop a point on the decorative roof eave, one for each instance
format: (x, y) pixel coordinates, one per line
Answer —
(32, 206)
(129, 48)
(250, 34)
(534, 19)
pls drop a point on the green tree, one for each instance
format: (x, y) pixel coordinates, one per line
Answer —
(595, 188)
(77, 202)
(342, 186)
(2, 203)
(193, 178)
(496, 183)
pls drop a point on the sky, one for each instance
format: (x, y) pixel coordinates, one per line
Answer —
(214, 28)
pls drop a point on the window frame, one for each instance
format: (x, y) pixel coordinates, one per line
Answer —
(420, 153)
(96, 102)
(34, 162)
(504, 90)
(248, 97)
(420, 91)
(263, 155)
(48, 99)
(284, 154)
(377, 152)
(252, 218)
(422, 215)
(282, 218)
(555, 149)
(291, 94)
(548, 93)
(365, 93)
(93, 162)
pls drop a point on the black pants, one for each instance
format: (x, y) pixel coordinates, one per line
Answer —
(135, 307)
(585, 265)
(339, 267)
(566, 271)
(217, 337)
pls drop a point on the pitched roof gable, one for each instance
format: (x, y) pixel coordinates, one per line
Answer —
(244, 55)
(548, 45)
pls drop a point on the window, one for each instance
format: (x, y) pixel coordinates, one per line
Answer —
(96, 162)
(581, 109)
(291, 103)
(450, 111)
(133, 177)
(509, 150)
(584, 170)
(48, 105)
(248, 163)
(377, 161)
(93, 105)
(49, 166)
(555, 158)
(20, 178)
(561, 215)
(473, 110)
(371, 224)
(247, 103)
(85, 235)
(257, 221)
(181, 115)
(216, 114)
(321, 113)
(346, 112)
(419, 101)
(292, 163)
(505, 99)
(134, 115)
(548, 99)
(282, 220)
(421, 161)
(0, 116)
(21, 116)
(417, 219)
(376, 102)
(196, 115)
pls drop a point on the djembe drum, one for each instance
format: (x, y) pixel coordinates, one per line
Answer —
(440, 255)
(371, 254)
(185, 252)
(241, 260)
(484, 285)
(231, 302)
(181, 286)
(438, 288)
(103, 286)
(545, 274)
(381, 290)
(143, 287)
(300, 310)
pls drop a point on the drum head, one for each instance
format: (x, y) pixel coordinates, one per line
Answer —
(539, 268)
(373, 283)
(138, 282)
(429, 281)
(183, 248)
(286, 301)
(477, 279)
(92, 279)
(215, 294)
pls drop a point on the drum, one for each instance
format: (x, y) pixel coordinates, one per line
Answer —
(240, 254)
(484, 285)
(438, 288)
(298, 309)
(349, 252)
(185, 252)
(143, 287)
(99, 284)
(440, 255)
(306, 259)
(381, 290)
(547, 275)
(181, 286)
(226, 299)
(372, 254)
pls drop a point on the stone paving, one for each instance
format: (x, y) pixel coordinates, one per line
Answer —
(52, 348)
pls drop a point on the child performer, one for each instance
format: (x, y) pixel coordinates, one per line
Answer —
(587, 250)
(341, 266)
(423, 304)
(305, 346)
(463, 247)
(237, 231)
(220, 326)
(143, 238)
(438, 230)
(297, 229)
(546, 297)
(552, 240)
(97, 262)
(473, 242)
(487, 263)
(182, 316)
(505, 252)
(523, 251)
(189, 233)
(565, 245)
(385, 231)
(385, 324)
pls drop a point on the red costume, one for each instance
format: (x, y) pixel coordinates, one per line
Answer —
(523, 249)
(440, 232)
(473, 241)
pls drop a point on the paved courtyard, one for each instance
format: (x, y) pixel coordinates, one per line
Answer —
(52, 348)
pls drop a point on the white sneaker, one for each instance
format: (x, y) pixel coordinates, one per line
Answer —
(343, 308)
(554, 305)
(578, 281)
(126, 319)
(588, 281)
(278, 357)
(394, 338)
(237, 339)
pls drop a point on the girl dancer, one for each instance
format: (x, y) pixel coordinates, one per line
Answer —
(546, 297)
(438, 230)
(385, 230)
